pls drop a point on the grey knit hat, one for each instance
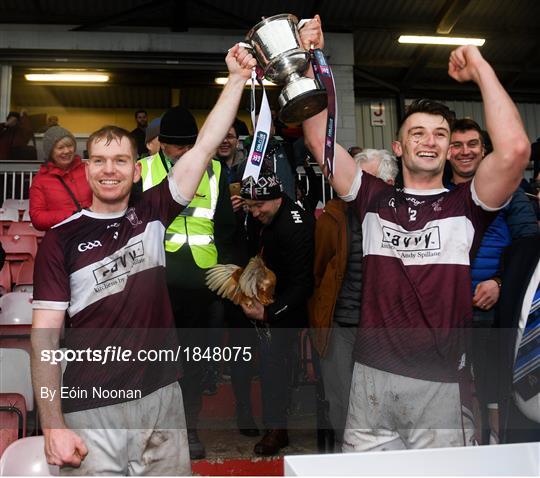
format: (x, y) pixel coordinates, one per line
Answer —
(52, 136)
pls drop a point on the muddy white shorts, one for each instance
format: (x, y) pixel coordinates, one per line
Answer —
(393, 412)
(141, 437)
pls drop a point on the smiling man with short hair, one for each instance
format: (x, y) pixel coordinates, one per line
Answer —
(411, 380)
(516, 220)
(105, 267)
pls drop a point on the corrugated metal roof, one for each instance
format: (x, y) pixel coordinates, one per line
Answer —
(510, 27)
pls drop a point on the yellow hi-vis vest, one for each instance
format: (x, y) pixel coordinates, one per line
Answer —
(194, 225)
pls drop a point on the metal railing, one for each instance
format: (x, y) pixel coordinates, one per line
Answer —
(16, 178)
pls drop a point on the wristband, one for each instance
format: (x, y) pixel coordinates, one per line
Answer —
(497, 280)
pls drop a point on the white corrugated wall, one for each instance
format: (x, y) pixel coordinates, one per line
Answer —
(381, 137)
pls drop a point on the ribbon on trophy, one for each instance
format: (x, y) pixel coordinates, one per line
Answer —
(261, 134)
(323, 74)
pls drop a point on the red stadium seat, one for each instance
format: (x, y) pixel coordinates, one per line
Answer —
(26, 457)
(19, 248)
(24, 229)
(5, 279)
(12, 419)
(25, 278)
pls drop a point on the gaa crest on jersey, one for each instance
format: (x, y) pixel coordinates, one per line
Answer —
(436, 205)
(131, 216)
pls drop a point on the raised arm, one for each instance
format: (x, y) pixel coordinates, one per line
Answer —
(189, 169)
(501, 171)
(315, 127)
(62, 445)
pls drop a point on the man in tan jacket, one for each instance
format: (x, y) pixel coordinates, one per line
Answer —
(334, 308)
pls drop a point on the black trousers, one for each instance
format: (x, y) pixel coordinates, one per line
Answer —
(275, 351)
(190, 308)
(482, 362)
(241, 334)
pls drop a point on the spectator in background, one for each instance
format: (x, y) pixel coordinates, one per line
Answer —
(52, 121)
(282, 233)
(14, 135)
(334, 308)
(279, 125)
(354, 150)
(281, 156)
(517, 219)
(241, 371)
(241, 127)
(60, 188)
(139, 133)
(226, 154)
(152, 137)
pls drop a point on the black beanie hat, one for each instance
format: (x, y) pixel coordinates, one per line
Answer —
(178, 127)
(267, 187)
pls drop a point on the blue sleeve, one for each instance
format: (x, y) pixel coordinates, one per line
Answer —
(520, 216)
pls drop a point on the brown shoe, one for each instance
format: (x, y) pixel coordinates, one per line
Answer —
(272, 442)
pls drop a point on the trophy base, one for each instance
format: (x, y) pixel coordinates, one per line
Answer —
(301, 100)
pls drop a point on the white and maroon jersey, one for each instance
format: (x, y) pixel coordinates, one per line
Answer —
(416, 298)
(108, 272)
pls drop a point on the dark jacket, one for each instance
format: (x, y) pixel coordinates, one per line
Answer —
(286, 245)
(517, 219)
(139, 135)
(348, 304)
(50, 201)
(520, 261)
(14, 138)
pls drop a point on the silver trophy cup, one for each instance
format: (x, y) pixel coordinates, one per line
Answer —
(277, 47)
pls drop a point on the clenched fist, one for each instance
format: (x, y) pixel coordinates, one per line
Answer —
(311, 34)
(465, 62)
